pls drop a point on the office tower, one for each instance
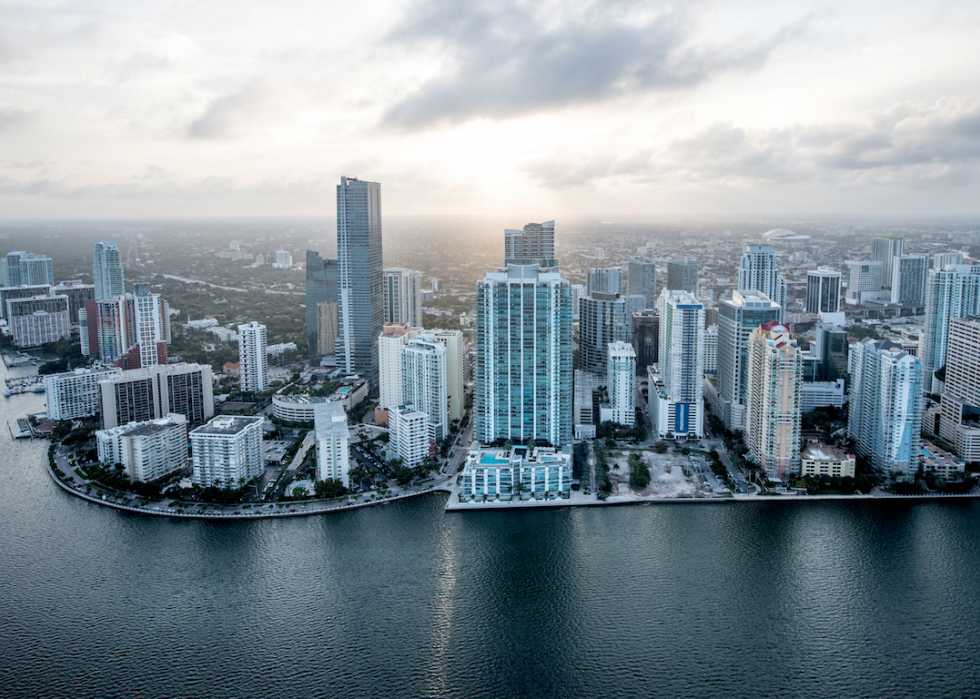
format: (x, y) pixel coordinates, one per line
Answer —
(131, 330)
(284, 260)
(737, 318)
(360, 277)
(941, 259)
(27, 269)
(831, 348)
(455, 345)
(332, 442)
(608, 280)
(533, 245)
(711, 349)
(950, 293)
(75, 394)
(682, 274)
(864, 280)
(909, 276)
(152, 392)
(676, 391)
(757, 271)
(107, 270)
(147, 451)
(36, 320)
(886, 405)
(646, 339)
(523, 348)
(772, 406)
(604, 318)
(403, 296)
(424, 382)
(253, 357)
(823, 290)
(641, 279)
(227, 451)
(578, 293)
(621, 383)
(436, 285)
(394, 337)
(77, 294)
(8, 293)
(409, 434)
(886, 248)
(959, 421)
(321, 304)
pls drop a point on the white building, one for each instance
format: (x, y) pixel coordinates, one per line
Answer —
(403, 296)
(456, 370)
(280, 348)
(711, 349)
(253, 357)
(394, 337)
(531, 245)
(227, 451)
(36, 320)
(621, 384)
(424, 382)
(518, 473)
(822, 394)
(953, 292)
(941, 259)
(757, 271)
(332, 443)
(151, 393)
(75, 394)
(107, 270)
(607, 280)
(147, 450)
(909, 276)
(885, 249)
(283, 260)
(676, 386)
(408, 432)
(864, 279)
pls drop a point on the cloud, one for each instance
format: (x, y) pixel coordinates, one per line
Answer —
(224, 113)
(17, 119)
(513, 59)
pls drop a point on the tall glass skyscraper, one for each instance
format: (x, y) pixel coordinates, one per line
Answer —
(641, 278)
(321, 287)
(523, 356)
(677, 392)
(953, 292)
(682, 274)
(107, 270)
(757, 271)
(359, 279)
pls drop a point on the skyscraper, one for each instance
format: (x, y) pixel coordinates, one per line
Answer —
(757, 271)
(403, 296)
(950, 293)
(394, 337)
(332, 442)
(682, 274)
(26, 268)
(533, 245)
(152, 392)
(941, 259)
(909, 276)
(621, 383)
(131, 330)
(646, 339)
(424, 382)
(321, 288)
(455, 345)
(772, 406)
(252, 357)
(864, 278)
(641, 279)
(885, 412)
(107, 270)
(360, 277)
(676, 390)
(737, 318)
(886, 248)
(959, 422)
(823, 290)
(608, 280)
(523, 356)
(604, 318)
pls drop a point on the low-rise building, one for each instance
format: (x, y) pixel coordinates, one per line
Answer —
(301, 406)
(517, 473)
(941, 462)
(147, 450)
(823, 460)
(227, 451)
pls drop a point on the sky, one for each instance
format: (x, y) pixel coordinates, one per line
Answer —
(114, 108)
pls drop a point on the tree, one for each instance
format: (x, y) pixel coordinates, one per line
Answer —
(660, 447)
(403, 474)
(330, 488)
(639, 472)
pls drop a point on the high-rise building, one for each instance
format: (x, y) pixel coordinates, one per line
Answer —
(321, 288)
(757, 271)
(864, 280)
(523, 356)
(711, 349)
(772, 406)
(641, 279)
(332, 442)
(152, 392)
(604, 318)
(831, 349)
(131, 330)
(909, 276)
(737, 318)
(409, 434)
(360, 284)
(533, 245)
(621, 383)
(646, 339)
(886, 248)
(227, 451)
(146, 450)
(823, 290)
(284, 260)
(77, 294)
(107, 270)
(959, 422)
(886, 405)
(253, 357)
(424, 382)
(403, 296)
(950, 293)
(455, 345)
(75, 394)
(676, 383)
(27, 269)
(394, 337)
(608, 280)
(36, 320)
(9, 293)
(682, 274)
(578, 293)
(941, 259)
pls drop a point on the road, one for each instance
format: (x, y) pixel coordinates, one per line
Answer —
(461, 449)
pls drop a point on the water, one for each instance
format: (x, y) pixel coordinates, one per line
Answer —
(402, 600)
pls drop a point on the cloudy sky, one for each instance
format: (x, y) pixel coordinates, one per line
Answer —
(114, 108)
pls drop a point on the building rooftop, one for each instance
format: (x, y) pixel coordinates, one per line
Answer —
(227, 425)
(330, 420)
(824, 452)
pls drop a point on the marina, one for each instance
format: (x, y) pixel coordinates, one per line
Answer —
(23, 384)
